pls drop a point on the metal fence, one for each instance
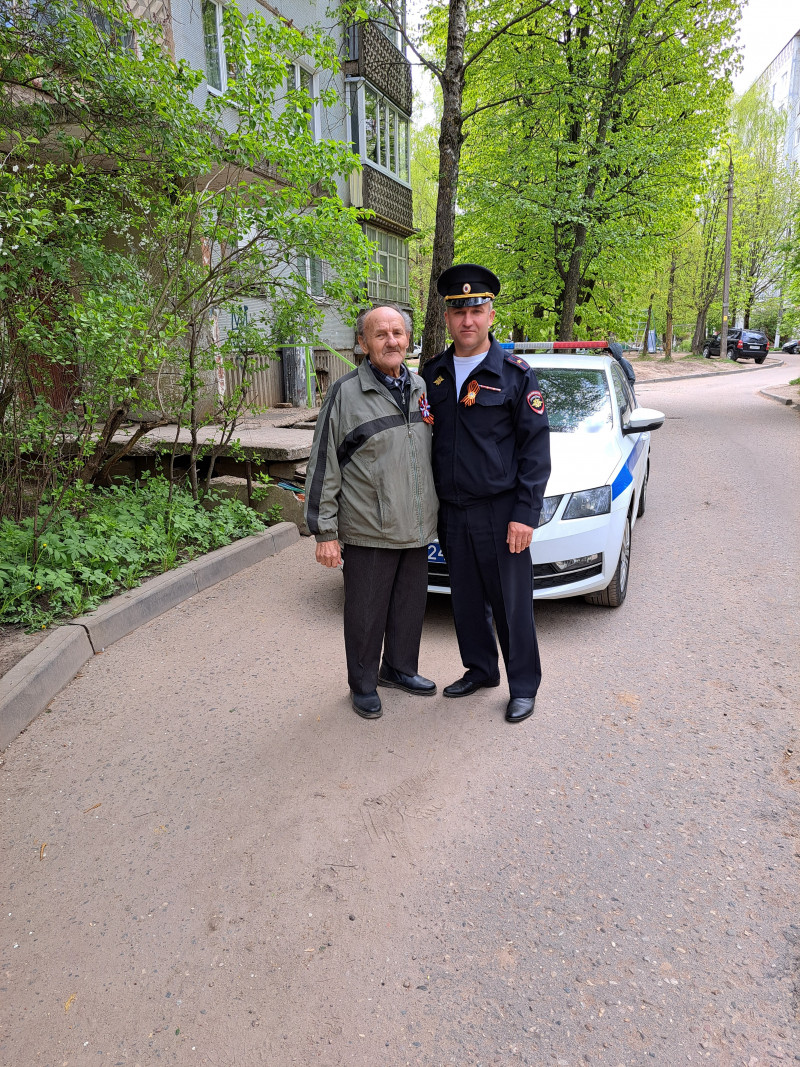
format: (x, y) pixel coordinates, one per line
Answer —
(265, 377)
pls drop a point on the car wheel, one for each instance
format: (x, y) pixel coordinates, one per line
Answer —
(706, 352)
(760, 359)
(732, 354)
(643, 494)
(614, 593)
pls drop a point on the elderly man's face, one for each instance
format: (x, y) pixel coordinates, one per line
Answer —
(385, 340)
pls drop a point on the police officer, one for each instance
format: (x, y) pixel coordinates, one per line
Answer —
(491, 462)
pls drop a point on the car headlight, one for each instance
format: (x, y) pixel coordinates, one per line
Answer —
(588, 503)
(549, 508)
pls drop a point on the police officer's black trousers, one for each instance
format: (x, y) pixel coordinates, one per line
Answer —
(385, 591)
(488, 581)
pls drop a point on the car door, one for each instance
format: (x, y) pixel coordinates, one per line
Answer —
(634, 445)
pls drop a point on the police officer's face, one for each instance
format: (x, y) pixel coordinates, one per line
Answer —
(385, 339)
(469, 328)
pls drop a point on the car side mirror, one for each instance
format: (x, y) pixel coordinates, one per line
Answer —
(641, 420)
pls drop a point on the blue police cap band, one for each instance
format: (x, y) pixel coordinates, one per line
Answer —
(468, 301)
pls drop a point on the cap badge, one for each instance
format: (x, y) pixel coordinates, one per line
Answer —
(466, 288)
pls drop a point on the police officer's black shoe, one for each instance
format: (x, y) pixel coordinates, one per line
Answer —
(409, 683)
(519, 709)
(367, 705)
(466, 685)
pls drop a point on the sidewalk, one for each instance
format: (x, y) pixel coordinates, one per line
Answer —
(684, 365)
(29, 686)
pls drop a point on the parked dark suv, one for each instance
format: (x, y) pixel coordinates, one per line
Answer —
(742, 344)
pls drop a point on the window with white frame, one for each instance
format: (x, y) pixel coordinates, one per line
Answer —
(379, 132)
(299, 77)
(218, 70)
(312, 270)
(388, 277)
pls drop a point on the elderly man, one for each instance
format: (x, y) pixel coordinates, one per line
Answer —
(491, 462)
(370, 486)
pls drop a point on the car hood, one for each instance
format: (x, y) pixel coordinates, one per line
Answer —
(581, 461)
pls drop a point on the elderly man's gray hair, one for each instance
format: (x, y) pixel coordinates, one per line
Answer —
(386, 304)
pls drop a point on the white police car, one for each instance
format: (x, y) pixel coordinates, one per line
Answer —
(600, 450)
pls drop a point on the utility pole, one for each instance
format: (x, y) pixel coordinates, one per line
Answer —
(726, 281)
(784, 272)
(670, 299)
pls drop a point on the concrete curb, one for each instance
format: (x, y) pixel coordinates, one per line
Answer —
(30, 685)
(709, 374)
(787, 400)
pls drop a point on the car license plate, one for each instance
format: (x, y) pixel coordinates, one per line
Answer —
(435, 553)
(753, 348)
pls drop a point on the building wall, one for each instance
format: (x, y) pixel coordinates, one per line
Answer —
(390, 73)
(781, 82)
(189, 45)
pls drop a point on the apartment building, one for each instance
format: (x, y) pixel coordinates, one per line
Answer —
(372, 112)
(781, 81)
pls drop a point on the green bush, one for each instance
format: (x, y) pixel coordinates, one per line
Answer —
(107, 540)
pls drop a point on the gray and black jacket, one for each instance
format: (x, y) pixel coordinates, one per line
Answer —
(369, 478)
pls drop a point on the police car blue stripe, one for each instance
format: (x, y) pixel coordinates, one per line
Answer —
(621, 482)
(625, 476)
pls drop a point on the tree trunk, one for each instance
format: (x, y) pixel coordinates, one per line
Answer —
(572, 284)
(112, 424)
(293, 369)
(451, 138)
(670, 296)
(699, 332)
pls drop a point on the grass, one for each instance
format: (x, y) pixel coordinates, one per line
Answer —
(104, 541)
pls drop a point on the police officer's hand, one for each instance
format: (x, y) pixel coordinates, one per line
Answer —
(329, 554)
(519, 537)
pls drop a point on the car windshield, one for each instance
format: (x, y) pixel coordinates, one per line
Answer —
(576, 401)
(751, 335)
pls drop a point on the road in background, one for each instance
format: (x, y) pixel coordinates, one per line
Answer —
(211, 860)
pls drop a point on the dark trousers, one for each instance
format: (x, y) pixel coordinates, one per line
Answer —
(385, 590)
(487, 582)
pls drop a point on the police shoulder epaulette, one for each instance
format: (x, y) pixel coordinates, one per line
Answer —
(517, 361)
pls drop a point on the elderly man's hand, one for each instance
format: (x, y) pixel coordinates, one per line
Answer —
(519, 537)
(329, 554)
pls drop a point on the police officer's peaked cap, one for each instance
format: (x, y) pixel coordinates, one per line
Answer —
(467, 285)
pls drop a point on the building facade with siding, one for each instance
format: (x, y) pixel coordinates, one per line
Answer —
(372, 111)
(781, 82)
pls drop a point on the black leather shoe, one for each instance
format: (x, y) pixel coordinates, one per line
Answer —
(367, 705)
(519, 709)
(409, 683)
(464, 686)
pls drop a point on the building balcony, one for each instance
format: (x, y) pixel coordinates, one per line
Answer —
(372, 55)
(390, 201)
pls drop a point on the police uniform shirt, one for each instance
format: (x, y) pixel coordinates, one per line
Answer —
(492, 436)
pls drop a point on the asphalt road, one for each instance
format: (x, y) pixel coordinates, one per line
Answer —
(209, 859)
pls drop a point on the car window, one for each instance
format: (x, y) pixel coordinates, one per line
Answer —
(576, 401)
(753, 336)
(623, 394)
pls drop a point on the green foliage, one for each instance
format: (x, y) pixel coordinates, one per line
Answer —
(424, 177)
(106, 540)
(586, 137)
(122, 245)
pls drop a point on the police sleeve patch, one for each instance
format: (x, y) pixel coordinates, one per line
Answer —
(536, 401)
